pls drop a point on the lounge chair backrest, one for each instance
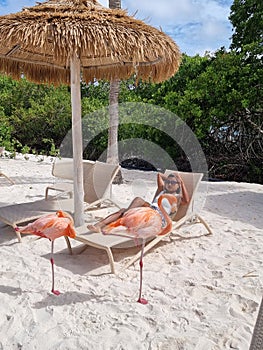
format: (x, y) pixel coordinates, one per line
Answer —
(63, 168)
(97, 176)
(97, 182)
(191, 181)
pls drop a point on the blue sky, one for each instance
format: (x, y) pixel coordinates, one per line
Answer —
(196, 26)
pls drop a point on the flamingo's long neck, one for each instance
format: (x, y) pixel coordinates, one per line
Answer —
(167, 218)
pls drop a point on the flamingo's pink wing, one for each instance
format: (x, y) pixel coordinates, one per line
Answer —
(137, 222)
(50, 226)
(60, 227)
(38, 225)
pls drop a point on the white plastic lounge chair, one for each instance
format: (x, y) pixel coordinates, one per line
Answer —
(184, 214)
(98, 178)
(97, 185)
(62, 170)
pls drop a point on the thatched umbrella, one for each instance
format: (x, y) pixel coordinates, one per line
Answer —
(63, 41)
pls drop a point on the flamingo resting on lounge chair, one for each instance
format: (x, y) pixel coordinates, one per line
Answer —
(51, 226)
(144, 222)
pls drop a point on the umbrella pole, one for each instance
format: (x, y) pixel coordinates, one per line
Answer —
(77, 141)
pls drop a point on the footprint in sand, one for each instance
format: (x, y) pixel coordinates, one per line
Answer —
(241, 307)
(239, 339)
(217, 274)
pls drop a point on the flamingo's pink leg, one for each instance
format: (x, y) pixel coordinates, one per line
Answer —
(140, 299)
(56, 292)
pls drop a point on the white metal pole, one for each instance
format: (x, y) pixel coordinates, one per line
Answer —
(77, 141)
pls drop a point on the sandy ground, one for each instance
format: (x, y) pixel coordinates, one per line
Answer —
(203, 291)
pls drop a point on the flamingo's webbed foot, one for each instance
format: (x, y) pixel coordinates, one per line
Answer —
(56, 292)
(142, 301)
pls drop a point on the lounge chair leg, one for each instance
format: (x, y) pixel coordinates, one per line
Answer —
(83, 249)
(46, 193)
(18, 235)
(210, 232)
(69, 245)
(112, 266)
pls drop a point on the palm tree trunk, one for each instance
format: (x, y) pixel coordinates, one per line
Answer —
(115, 4)
(112, 152)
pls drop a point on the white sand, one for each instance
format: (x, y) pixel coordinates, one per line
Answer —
(203, 291)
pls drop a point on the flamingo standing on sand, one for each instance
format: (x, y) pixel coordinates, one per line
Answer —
(144, 222)
(51, 226)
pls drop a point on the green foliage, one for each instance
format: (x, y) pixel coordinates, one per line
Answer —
(246, 18)
(47, 112)
(35, 111)
(5, 132)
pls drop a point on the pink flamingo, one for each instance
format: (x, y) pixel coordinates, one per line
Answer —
(144, 222)
(51, 226)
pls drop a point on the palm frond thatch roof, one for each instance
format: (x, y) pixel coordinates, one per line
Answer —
(39, 41)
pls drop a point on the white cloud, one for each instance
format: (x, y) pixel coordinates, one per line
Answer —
(196, 25)
(202, 37)
(213, 31)
(179, 12)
